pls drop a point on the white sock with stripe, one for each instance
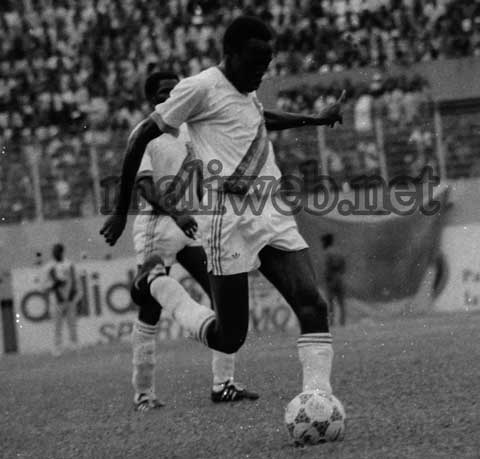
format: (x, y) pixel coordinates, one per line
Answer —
(223, 367)
(144, 357)
(192, 316)
(316, 355)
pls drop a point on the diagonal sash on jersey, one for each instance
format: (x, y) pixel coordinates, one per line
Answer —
(238, 183)
(251, 164)
(244, 176)
(183, 178)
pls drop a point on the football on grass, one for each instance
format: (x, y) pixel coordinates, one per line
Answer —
(314, 417)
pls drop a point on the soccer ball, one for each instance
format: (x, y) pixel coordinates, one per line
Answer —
(314, 417)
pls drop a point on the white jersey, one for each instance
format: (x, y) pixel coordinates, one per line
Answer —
(170, 161)
(228, 131)
(60, 271)
(224, 125)
(146, 170)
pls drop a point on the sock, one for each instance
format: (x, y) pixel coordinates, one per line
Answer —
(192, 316)
(316, 355)
(144, 357)
(223, 367)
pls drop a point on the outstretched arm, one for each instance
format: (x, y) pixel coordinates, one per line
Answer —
(136, 145)
(276, 120)
(137, 142)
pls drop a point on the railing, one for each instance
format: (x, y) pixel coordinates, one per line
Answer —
(58, 175)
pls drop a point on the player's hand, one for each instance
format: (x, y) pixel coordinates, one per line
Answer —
(187, 224)
(113, 228)
(332, 113)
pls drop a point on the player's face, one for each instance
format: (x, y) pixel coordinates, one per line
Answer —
(251, 63)
(164, 89)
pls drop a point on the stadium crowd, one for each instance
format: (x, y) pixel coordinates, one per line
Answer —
(71, 72)
(402, 104)
(65, 60)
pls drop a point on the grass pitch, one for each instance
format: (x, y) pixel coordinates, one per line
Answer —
(410, 388)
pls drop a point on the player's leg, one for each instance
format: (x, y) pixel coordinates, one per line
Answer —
(152, 280)
(340, 295)
(230, 301)
(144, 357)
(71, 319)
(292, 273)
(57, 317)
(224, 329)
(153, 287)
(331, 305)
(146, 232)
(194, 260)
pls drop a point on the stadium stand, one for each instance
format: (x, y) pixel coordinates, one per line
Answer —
(71, 71)
(63, 60)
(401, 104)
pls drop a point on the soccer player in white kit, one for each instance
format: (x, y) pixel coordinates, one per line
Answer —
(227, 125)
(170, 233)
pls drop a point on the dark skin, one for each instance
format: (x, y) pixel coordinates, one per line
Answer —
(57, 254)
(244, 69)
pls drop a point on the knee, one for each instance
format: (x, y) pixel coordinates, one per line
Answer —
(231, 347)
(149, 312)
(232, 343)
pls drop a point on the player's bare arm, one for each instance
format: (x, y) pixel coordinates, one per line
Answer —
(184, 221)
(136, 145)
(146, 187)
(276, 120)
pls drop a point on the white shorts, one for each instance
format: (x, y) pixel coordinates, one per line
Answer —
(160, 235)
(234, 238)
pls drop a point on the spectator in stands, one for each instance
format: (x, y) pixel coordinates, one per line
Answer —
(363, 112)
(67, 53)
(423, 140)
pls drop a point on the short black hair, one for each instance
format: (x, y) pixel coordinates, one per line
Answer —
(151, 83)
(327, 240)
(58, 248)
(243, 29)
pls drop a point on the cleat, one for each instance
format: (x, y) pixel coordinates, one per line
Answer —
(231, 391)
(150, 270)
(146, 402)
